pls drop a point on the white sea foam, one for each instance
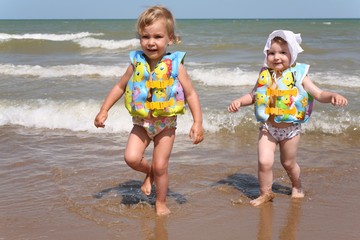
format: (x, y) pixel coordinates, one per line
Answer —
(84, 39)
(107, 44)
(70, 115)
(48, 37)
(238, 77)
(60, 71)
(206, 75)
(336, 79)
(223, 76)
(79, 116)
(76, 115)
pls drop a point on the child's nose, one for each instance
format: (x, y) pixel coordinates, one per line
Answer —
(151, 41)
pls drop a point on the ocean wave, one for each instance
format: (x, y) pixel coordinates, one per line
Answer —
(83, 39)
(202, 74)
(47, 36)
(237, 77)
(107, 44)
(223, 76)
(76, 115)
(205, 74)
(337, 79)
(60, 71)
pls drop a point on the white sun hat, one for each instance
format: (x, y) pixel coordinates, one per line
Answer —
(291, 38)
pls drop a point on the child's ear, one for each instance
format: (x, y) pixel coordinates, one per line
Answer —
(172, 40)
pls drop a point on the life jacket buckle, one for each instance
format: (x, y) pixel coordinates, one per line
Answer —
(159, 105)
(160, 84)
(279, 93)
(279, 111)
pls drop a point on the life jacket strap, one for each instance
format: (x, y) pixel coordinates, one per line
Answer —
(279, 111)
(278, 92)
(159, 105)
(160, 84)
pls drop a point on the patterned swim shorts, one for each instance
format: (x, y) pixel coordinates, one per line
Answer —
(280, 134)
(155, 126)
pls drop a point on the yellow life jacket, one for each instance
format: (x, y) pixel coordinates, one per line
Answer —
(167, 95)
(293, 103)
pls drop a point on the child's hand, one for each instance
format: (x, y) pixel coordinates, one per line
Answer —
(100, 119)
(338, 100)
(234, 106)
(196, 133)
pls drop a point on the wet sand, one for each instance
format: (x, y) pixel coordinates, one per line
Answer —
(61, 185)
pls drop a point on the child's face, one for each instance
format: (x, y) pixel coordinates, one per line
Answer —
(154, 40)
(278, 56)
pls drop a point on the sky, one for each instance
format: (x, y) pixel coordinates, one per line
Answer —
(182, 9)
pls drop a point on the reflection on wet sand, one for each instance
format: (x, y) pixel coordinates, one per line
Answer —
(288, 230)
(156, 228)
(265, 222)
(248, 185)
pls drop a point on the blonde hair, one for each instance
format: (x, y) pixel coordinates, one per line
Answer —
(153, 14)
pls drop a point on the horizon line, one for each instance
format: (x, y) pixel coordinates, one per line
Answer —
(69, 19)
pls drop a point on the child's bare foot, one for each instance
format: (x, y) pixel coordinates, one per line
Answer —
(262, 199)
(146, 187)
(297, 193)
(162, 209)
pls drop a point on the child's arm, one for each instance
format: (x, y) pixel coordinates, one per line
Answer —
(323, 96)
(192, 98)
(114, 95)
(246, 100)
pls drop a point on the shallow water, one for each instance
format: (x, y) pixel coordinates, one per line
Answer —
(56, 185)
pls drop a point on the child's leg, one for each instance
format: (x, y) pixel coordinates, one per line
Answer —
(163, 143)
(288, 152)
(266, 153)
(134, 155)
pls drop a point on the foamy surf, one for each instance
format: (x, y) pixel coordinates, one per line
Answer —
(204, 74)
(76, 70)
(76, 115)
(47, 36)
(83, 39)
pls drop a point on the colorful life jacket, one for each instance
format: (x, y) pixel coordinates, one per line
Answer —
(293, 104)
(162, 94)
